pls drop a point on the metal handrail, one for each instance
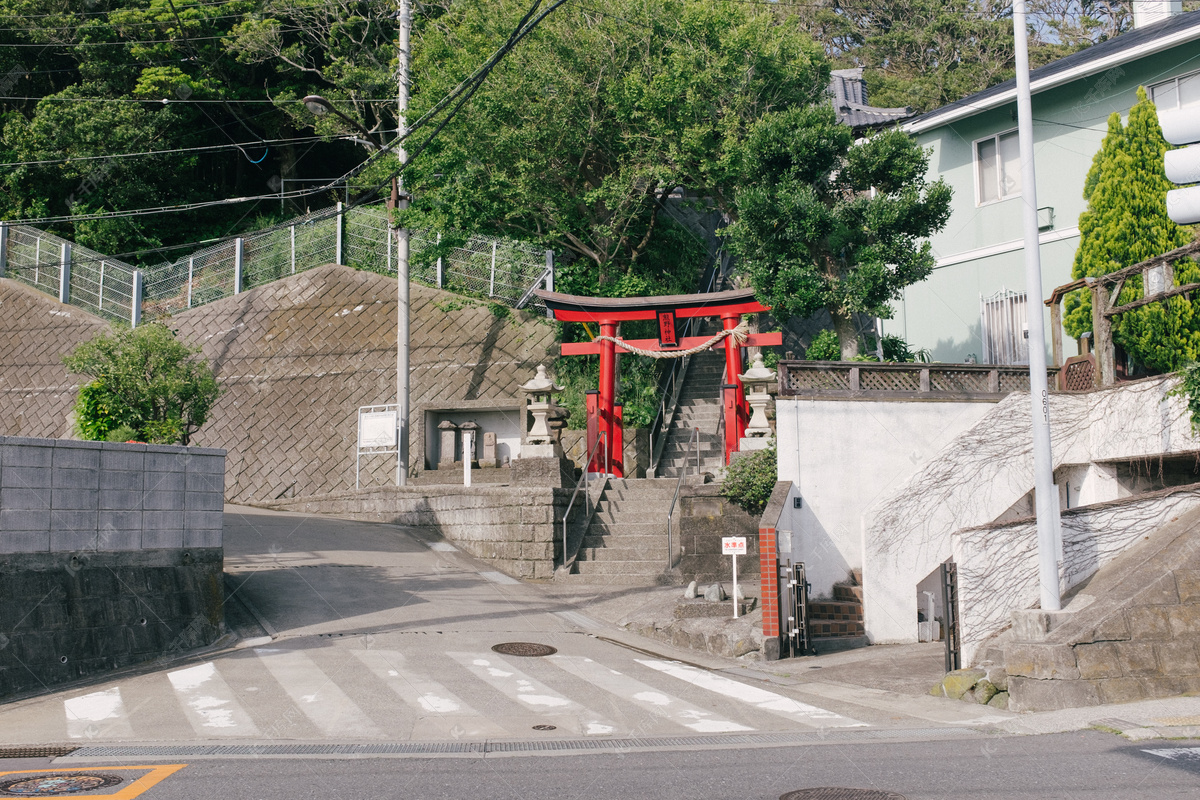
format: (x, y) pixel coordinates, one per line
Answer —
(583, 481)
(673, 383)
(695, 437)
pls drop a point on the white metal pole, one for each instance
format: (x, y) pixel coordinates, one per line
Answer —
(492, 281)
(339, 236)
(735, 600)
(239, 252)
(191, 269)
(100, 291)
(3, 248)
(402, 248)
(135, 301)
(64, 273)
(292, 230)
(468, 445)
(1039, 391)
(440, 278)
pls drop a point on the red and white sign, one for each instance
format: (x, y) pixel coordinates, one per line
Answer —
(733, 545)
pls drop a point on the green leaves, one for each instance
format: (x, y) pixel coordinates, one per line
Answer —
(145, 380)
(750, 480)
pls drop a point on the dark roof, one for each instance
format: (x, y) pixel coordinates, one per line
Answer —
(1128, 41)
(849, 92)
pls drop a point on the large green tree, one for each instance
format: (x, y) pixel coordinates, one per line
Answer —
(828, 223)
(1126, 223)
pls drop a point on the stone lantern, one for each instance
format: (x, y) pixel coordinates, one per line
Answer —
(541, 391)
(759, 382)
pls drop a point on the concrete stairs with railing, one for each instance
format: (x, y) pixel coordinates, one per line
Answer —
(626, 541)
(837, 624)
(699, 407)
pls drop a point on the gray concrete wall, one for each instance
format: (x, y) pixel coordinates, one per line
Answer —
(704, 518)
(516, 529)
(110, 555)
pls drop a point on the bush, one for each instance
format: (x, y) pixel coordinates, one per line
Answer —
(824, 347)
(1189, 390)
(145, 385)
(750, 479)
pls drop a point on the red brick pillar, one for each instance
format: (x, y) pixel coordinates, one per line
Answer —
(768, 589)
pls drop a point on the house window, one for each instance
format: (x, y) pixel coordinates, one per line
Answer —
(1004, 328)
(1181, 92)
(998, 167)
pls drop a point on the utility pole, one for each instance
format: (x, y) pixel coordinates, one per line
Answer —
(400, 198)
(1046, 493)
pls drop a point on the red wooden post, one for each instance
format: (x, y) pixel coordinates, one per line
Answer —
(608, 387)
(617, 468)
(592, 399)
(733, 368)
(729, 412)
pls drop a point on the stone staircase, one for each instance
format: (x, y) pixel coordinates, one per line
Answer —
(699, 407)
(837, 624)
(626, 542)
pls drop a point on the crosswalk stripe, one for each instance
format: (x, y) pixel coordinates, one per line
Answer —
(1177, 753)
(533, 694)
(439, 710)
(99, 714)
(647, 697)
(209, 703)
(759, 698)
(316, 695)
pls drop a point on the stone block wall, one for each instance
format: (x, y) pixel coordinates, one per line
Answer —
(110, 555)
(705, 517)
(1132, 633)
(518, 530)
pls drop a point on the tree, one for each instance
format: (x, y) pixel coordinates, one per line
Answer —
(145, 383)
(580, 134)
(1126, 223)
(825, 223)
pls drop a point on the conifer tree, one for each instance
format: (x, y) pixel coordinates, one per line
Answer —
(1126, 223)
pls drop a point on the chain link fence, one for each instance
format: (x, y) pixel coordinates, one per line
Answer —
(502, 270)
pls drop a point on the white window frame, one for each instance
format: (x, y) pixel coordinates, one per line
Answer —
(1150, 89)
(976, 166)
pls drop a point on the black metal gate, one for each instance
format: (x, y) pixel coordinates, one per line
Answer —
(793, 610)
(950, 615)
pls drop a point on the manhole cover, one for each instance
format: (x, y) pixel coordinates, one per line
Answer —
(839, 793)
(51, 785)
(545, 727)
(524, 649)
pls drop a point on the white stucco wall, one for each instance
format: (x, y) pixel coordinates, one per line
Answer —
(842, 457)
(981, 473)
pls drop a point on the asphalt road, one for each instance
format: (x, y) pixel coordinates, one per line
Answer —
(1076, 766)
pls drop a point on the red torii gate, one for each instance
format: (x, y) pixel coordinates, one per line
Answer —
(604, 417)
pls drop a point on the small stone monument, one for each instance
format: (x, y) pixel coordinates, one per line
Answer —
(542, 462)
(759, 381)
(447, 444)
(489, 459)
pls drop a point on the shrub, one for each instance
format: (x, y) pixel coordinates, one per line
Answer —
(146, 385)
(824, 347)
(750, 479)
(1189, 390)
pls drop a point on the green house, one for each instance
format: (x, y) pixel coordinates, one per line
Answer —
(974, 305)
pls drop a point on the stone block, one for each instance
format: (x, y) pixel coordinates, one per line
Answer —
(1040, 661)
(1122, 690)
(204, 485)
(211, 462)
(960, 681)
(165, 482)
(163, 501)
(1098, 660)
(1114, 628)
(1185, 620)
(31, 453)
(75, 456)
(1137, 658)
(162, 539)
(65, 541)
(1034, 625)
(25, 477)
(1177, 657)
(24, 541)
(22, 497)
(74, 520)
(162, 520)
(1148, 622)
(125, 459)
(203, 520)
(117, 500)
(122, 481)
(1161, 592)
(1029, 694)
(537, 551)
(1187, 583)
(201, 538)
(75, 479)
(165, 461)
(75, 499)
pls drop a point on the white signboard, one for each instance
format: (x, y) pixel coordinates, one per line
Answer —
(733, 545)
(377, 429)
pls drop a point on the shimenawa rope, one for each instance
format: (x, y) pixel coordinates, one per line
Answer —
(739, 335)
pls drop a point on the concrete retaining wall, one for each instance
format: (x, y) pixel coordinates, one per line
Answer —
(516, 529)
(705, 516)
(110, 555)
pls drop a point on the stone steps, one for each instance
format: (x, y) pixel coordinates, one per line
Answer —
(644, 568)
(620, 555)
(846, 593)
(609, 541)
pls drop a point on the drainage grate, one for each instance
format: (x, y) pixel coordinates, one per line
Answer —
(838, 793)
(38, 751)
(526, 649)
(53, 785)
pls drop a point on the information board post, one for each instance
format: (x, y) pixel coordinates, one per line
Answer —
(734, 546)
